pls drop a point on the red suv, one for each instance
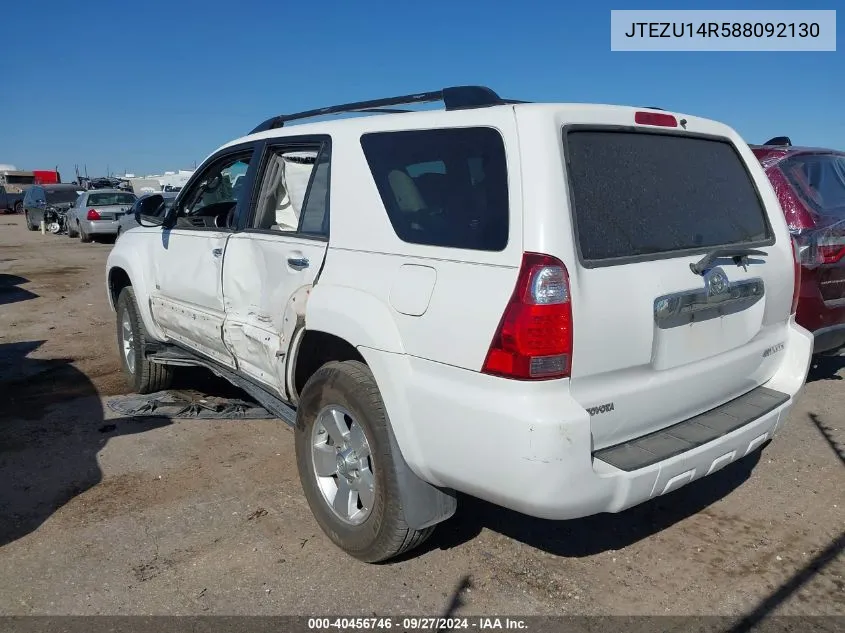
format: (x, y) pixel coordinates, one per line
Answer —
(810, 185)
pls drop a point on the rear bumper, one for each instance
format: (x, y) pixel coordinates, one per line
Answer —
(826, 320)
(528, 447)
(829, 339)
(100, 227)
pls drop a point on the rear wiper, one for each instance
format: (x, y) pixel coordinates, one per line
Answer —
(739, 255)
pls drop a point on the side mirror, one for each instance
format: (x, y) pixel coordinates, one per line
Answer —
(147, 210)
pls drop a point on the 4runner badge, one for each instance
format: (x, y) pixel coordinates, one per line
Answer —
(774, 349)
(603, 408)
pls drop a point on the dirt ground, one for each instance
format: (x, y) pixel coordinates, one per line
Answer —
(107, 515)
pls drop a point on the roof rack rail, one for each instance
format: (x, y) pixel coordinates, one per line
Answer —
(779, 140)
(453, 98)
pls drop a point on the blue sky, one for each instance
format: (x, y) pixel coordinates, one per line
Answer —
(84, 84)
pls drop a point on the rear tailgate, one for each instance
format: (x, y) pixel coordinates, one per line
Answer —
(655, 343)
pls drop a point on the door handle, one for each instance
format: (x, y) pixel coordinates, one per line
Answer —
(217, 252)
(298, 262)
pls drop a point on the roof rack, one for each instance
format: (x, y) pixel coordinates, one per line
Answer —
(779, 140)
(453, 98)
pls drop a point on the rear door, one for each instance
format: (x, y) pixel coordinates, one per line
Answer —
(654, 341)
(271, 264)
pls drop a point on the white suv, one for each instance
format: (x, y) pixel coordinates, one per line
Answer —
(563, 309)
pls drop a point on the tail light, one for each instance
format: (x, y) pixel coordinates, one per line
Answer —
(796, 283)
(830, 252)
(817, 248)
(534, 337)
(93, 214)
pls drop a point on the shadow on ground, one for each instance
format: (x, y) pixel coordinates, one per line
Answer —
(599, 533)
(51, 430)
(10, 290)
(826, 368)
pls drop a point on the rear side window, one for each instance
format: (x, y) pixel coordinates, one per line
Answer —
(819, 180)
(445, 187)
(638, 194)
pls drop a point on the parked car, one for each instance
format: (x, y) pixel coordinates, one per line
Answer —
(97, 212)
(39, 199)
(127, 220)
(810, 185)
(11, 201)
(547, 306)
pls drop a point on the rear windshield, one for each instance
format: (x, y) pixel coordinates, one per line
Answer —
(636, 194)
(446, 187)
(106, 199)
(819, 180)
(20, 180)
(61, 196)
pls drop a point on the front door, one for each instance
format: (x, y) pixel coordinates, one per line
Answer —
(271, 265)
(187, 300)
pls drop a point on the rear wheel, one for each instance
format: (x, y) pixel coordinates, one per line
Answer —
(29, 224)
(142, 375)
(70, 231)
(18, 207)
(83, 236)
(346, 466)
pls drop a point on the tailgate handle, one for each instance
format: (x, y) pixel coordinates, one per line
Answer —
(691, 301)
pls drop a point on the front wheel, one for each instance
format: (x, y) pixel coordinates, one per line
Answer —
(142, 375)
(29, 224)
(346, 467)
(18, 207)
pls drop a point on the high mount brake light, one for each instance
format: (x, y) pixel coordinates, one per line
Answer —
(655, 118)
(534, 337)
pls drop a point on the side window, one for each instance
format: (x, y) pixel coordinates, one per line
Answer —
(212, 199)
(444, 187)
(285, 203)
(315, 216)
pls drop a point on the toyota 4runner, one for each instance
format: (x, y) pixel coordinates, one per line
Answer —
(563, 309)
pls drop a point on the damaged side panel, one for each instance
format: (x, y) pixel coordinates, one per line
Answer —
(264, 300)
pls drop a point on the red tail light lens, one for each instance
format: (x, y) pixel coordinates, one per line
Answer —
(655, 118)
(93, 214)
(796, 287)
(534, 338)
(831, 253)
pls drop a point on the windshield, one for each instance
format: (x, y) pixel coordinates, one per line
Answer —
(819, 180)
(20, 180)
(108, 199)
(61, 196)
(636, 194)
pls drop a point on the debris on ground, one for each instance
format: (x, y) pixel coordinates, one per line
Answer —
(186, 404)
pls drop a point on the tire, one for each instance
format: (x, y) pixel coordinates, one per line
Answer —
(18, 207)
(70, 232)
(83, 236)
(349, 389)
(29, 225)
(142, 375)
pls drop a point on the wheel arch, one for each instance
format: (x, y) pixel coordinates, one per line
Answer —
(122, 271)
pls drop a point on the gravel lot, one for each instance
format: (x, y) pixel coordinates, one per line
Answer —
(108, 515)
